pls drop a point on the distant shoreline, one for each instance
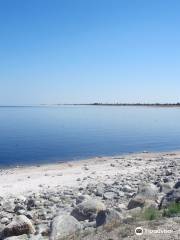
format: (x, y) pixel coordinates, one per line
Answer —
(128, 104)
(169, 105)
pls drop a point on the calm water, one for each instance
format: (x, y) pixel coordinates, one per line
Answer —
(44, 134)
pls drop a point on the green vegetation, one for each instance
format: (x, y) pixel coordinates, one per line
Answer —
(150, 214)
(172, 210)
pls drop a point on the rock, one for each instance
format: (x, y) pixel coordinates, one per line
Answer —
(165, 187)
(20, 199)
(18, 207)
(177, 184)
(108, 219)
(137, 201)
(22, 237)
(31, 203)
(29, 215)
(100, 189)
(88, 209)
(38, 237)
(8, 206)
(64, 227)
(121, 194)
(122, 206)
(87, 224)
(151, 204)
(148, 191)
(127, 188)
(112, 165)
(165, 179)
(168, 172)
(170, 197)
(109, 195)
(5, 220)
(54, 199)
(21, 212)
(128, 219)
(20, 225)
(82, 198)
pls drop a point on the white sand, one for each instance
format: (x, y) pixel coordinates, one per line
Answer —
(17, 181)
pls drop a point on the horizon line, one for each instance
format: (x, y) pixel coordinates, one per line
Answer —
(94, 104)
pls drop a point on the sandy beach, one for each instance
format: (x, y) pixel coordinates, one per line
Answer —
(32, 179)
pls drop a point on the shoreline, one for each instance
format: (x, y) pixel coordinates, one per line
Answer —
(118, 188)
(49, 175)
(81, 159)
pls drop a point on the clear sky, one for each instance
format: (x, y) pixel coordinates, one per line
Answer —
(64, 51)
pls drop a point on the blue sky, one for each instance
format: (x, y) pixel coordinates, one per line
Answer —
(64, 51)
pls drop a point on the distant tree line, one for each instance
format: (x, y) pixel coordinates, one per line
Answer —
(136, 104)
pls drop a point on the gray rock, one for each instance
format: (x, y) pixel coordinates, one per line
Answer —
(121, 194)
(165, 187)
(5, 220)
(20, 225)
(21, 212)
(170, 197)
(64, 227)
(112, 165)
(20, 199)
(38, 237)
(127, 188)
(8, 206)
(22, 237)
(135, 202)
(177, 184)
(88, 209)
(109, 195)
(148, 191)
(82, 198)
(165, 179)
(18, 207)
(31, 203)
(168, 172)
(100, 189)
(87, 224)
(108, 219)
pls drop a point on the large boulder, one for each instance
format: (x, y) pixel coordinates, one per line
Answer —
(64, 227)
(108, 219)
(20, 225)
(88, 209)
(147, 193)
(171, 197)
(165, 187)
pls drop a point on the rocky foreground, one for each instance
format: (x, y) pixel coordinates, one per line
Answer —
(106, 198)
